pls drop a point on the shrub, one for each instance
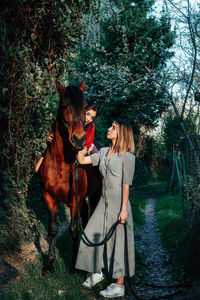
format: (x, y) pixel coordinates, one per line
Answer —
(142, 172)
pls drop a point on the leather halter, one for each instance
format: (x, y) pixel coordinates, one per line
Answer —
(67, 124)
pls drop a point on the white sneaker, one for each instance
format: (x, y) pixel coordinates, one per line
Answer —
(113, 290)
(93, 279)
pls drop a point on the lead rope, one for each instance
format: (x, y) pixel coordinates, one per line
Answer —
(107, 237)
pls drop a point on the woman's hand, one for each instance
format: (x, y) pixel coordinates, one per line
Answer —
(123, 215)
(90, 149)
(49, 139)
(82, 159)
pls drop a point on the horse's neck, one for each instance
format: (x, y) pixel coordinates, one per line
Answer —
(60, 149)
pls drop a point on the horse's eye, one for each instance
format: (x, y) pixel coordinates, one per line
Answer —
(63, 106)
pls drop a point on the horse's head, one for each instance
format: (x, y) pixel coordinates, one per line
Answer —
(71, 113)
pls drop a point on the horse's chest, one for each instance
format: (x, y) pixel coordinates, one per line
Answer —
(60, 183)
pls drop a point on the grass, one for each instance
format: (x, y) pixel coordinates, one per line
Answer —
(58, 285)
(62, 285)
(138, 208)
(152, 186)
(31, 285)
(169, 212)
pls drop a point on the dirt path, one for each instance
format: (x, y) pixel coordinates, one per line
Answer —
(157, 281)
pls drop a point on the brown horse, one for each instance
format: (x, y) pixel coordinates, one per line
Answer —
(57, 169)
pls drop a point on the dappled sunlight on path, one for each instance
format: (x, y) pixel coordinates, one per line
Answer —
(158, 280)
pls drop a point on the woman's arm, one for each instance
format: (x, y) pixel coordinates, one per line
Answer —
(123, 214)
(82, 159)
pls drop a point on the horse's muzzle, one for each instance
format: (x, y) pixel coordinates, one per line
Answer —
(78, 143)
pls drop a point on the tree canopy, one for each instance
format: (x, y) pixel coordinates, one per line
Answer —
(109, 44)
(113, 56)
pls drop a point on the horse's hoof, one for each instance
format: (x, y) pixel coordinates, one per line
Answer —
(48, 269)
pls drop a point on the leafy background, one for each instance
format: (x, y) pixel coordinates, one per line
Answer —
(109, 44)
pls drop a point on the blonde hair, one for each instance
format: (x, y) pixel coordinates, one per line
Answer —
(125, 141)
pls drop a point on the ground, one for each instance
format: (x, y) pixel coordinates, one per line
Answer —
(156, 281)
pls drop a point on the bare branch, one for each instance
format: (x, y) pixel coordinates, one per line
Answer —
(177, 114)
(192, 34)
(177, 8)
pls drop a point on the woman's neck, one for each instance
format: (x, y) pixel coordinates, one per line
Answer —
(112, 147)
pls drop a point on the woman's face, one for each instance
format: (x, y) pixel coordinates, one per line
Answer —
(112, 132)
(90, 115)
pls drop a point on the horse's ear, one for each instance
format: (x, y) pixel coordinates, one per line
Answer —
(60, 88)
(82, 86)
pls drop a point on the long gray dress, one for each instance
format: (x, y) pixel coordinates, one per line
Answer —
(115, 172)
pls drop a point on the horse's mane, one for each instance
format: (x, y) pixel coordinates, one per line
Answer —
(76, 96)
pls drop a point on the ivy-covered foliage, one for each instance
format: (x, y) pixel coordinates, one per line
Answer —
(37, 39)
(111, 44)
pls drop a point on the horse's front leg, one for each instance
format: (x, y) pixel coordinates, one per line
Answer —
(74, 232)
(52, 232)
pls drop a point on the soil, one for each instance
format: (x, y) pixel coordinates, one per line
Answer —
(157, 281)
(11, 267)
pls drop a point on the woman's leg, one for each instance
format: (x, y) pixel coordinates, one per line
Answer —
(38, 164)
(120, 281)
(114, 289)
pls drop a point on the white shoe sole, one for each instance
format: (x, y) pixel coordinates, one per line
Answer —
(111, 296)
(89, 287)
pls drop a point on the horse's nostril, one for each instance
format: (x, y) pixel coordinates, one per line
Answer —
(83, 139)
(78, 141)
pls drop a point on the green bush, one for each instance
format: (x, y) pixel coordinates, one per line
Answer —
(37, 57)
(183, 245)
(170, 216)
(142, 172)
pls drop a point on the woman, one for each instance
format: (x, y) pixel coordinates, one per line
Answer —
(90, 115)
(116, 164)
